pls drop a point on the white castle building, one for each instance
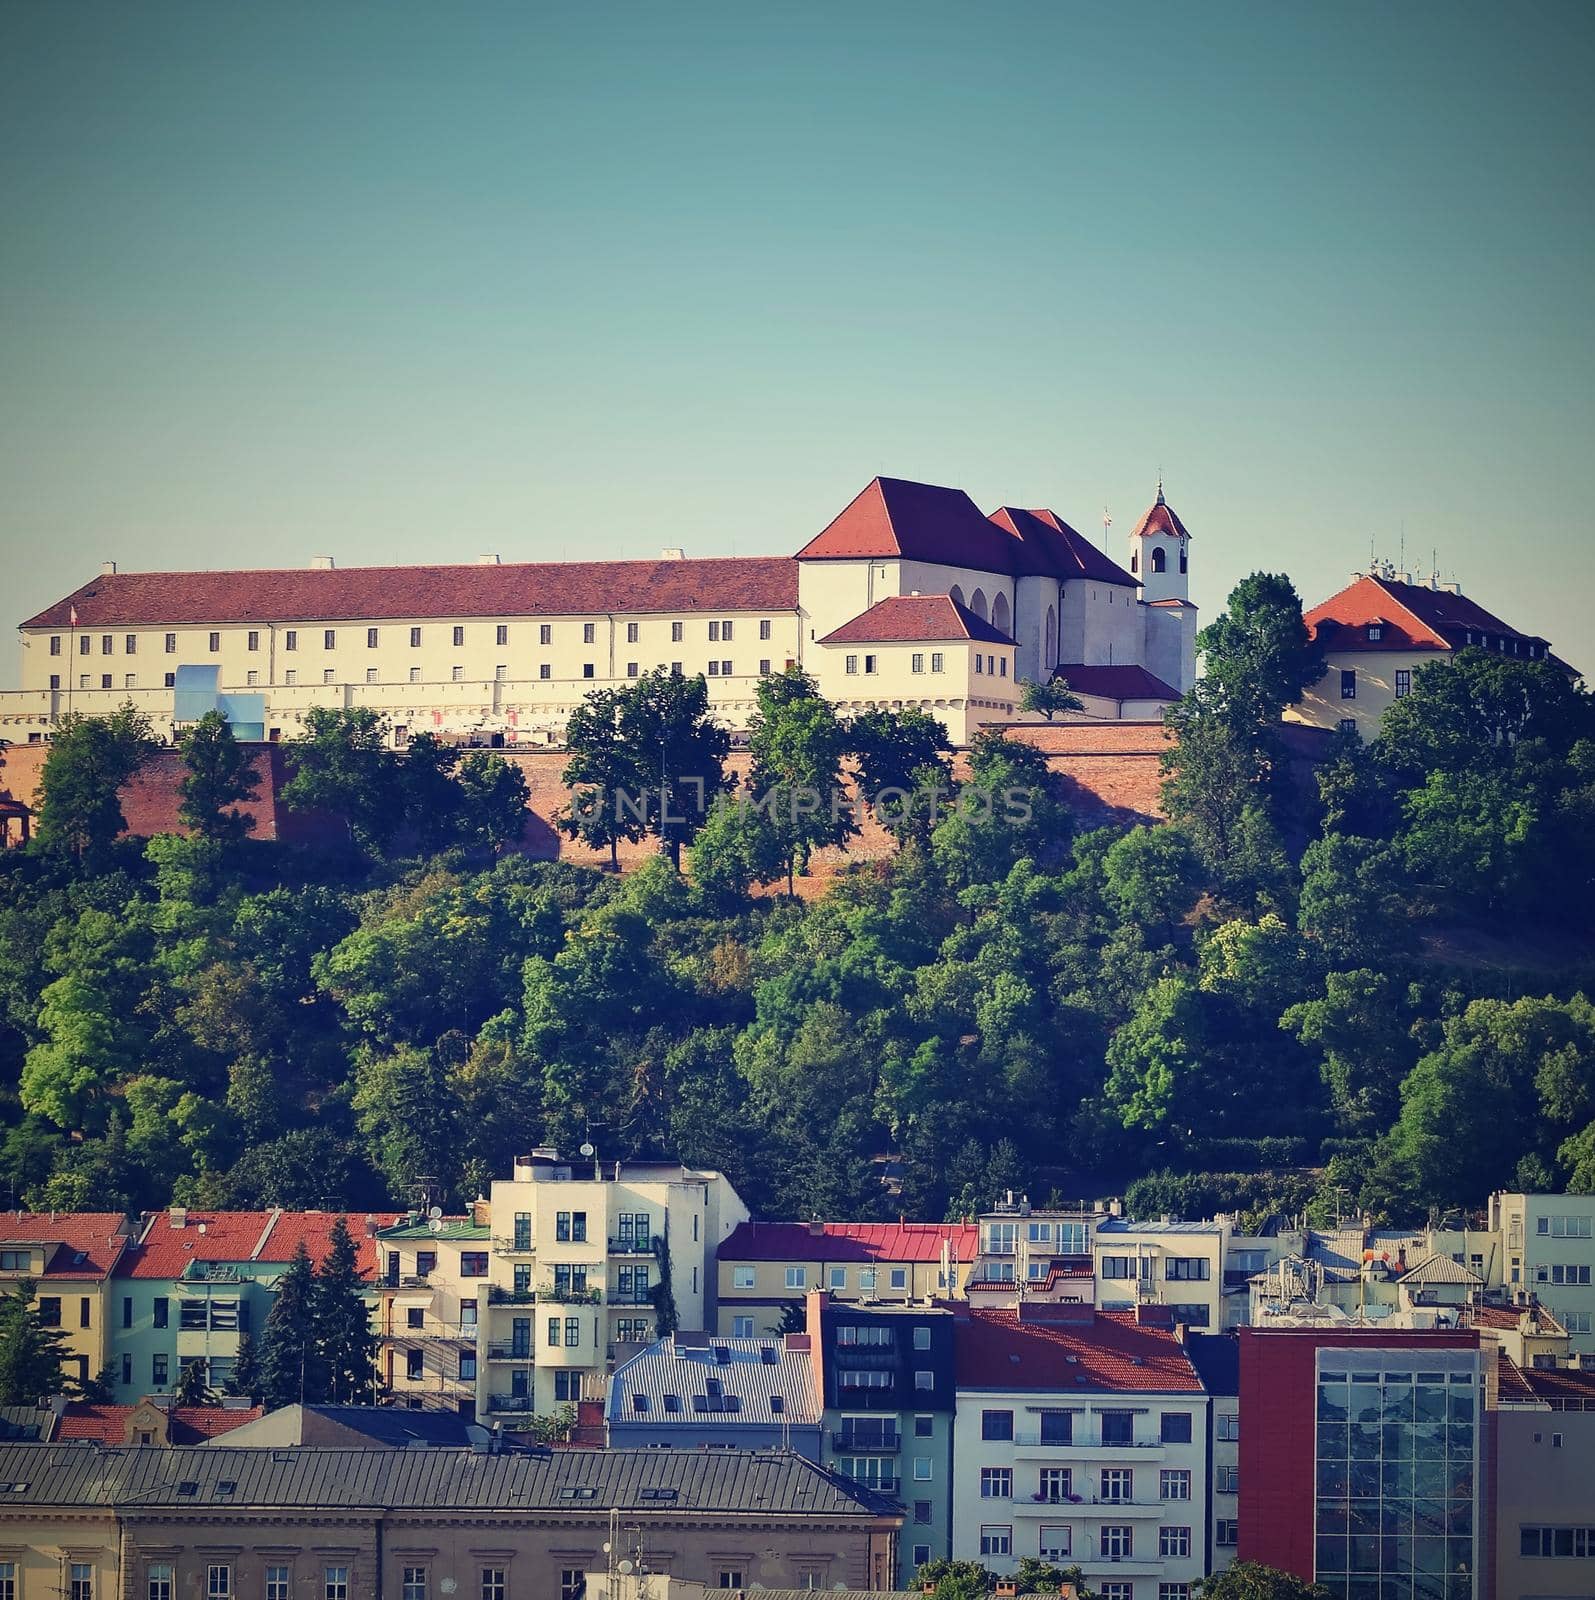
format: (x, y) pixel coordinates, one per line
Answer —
(911, 597)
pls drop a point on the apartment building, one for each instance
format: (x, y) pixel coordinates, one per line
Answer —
(585, 1257)
(695, 1391)
(1026, 1252)
(195, 1283)
(1364, 1460)
(1175, 1264)
(432, 1273)
(887, 1378)
(1080, 1438)
(766, 1269)
(69, 1258)
(1216, 1357)
(338, 1524)
(910, 596)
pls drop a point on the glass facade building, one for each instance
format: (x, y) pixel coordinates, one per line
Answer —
(1398, 1488)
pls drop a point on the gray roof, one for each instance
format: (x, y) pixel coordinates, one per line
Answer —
(1113, 1225)
(24, 1422)
(749, 1372)
(1441, 1269)
(395, 1426)
(308, 1478)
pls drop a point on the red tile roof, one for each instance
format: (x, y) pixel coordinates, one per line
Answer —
(1508, 1317)
(1160, 518)
(1560, 1383)
(911, 617)
(1048, 546)
(1110, 1352)
(918, 521)
(166, 1250)
(93, 1235)
(315, 1228)
(1116, 683)
(1510, 1379)
(372, 594)
(1411, 617)
(187, 1424)
(850, 1241)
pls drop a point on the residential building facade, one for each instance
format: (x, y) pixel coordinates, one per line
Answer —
(430, 1282)
(1179, 1265)
(1080, 1439)
(910, 596)
(1216, 1357)
(886, 1375)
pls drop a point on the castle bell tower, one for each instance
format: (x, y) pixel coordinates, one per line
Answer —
(1160, 553)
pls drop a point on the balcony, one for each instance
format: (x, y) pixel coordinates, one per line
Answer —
(513, 1247)
(509, 1350)
(1083, 1444)
(1091, 1506)
(511, 1403)
(545, 1294)
(874, 1441)
(413, 1280)
(632, 1297)
(641, 1245)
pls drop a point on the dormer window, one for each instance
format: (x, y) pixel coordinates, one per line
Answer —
(1375, 631)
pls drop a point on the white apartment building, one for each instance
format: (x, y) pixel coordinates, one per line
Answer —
(1175, 1264)
(910, 597)
(1080, 1438)
(586, 1257)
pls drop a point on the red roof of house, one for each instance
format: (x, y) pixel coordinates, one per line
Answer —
(917, 521)
(1111, 1351)
(1116, 683)
(1560, 1383)
(92, 1236)
(1048, 546)
(315, 1228)
(166, 1250)
(1411, 616)
(186, 1424)
(372, 594)
(1160, 518)
(906, 618)
(1511, 1381)
(850, 1241)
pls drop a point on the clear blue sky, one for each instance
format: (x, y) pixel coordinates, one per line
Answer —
(408, 281)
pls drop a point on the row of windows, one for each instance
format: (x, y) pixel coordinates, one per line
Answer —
(719, 633)
(1118, 1427)
(1056, 1484)
(48, 1307)
(1115, 1542)
(1565, 1227)
(1160, 558)
(457, 674)
(1562, 1272)
(336, 1583)
(1555, 1541)
(1348, 683)
(743, 1277)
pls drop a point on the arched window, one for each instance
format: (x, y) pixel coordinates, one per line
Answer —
(1159, 558)
(1049, 641)
(977, 603)
(1000, 615)
(956, 595)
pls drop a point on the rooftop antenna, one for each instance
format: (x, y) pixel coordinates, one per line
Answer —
(1107, 522)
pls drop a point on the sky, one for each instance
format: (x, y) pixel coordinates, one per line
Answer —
(413, 280)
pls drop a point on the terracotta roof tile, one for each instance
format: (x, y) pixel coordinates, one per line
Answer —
(166, 1250)
(1160, 518)
(1048, 546)
(315, 1228)
(907, 618)
(373, 594)
(1110, 1352)
(917, 521)
(1410, 616)
(1116, 683)
(93, 1235)
(1560, 1383)
(850, 1241)
(188, 1424)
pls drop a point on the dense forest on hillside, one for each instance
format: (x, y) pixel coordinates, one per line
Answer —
(1262, 1004)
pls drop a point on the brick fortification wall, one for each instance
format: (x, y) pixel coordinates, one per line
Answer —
(1107, 771)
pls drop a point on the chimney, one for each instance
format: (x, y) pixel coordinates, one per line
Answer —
(178, 1216)
(1006, 1589)
(816, 1228)
(673, 552)
(1067, 1591)
(321, 563)
(490, 560)
(107, 569)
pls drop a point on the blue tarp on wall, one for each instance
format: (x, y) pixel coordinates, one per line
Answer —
(197, 692)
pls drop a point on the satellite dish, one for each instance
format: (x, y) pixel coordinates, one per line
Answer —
(436, 1225)
(607, 1547)
(204, 1227)
(436, 1213)
(625, 1566)
(587, 1149)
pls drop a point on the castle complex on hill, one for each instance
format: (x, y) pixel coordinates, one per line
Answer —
(911, 597)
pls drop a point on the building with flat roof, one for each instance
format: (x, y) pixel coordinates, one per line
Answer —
(910, 597)
(694, 1391)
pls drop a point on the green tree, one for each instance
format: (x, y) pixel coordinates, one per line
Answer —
(245, 1380)
(193, 1383)
(665, 722)
(407, 1117)
(493, 800)
(797, 745)
(91, 759)
(1151, 877)
(1251, 1580)
(1049, 698)
(345, 1344)
(290, 1358)
(604, 774)
(1362, 1024)
(305, 1168)
(1351, 909)
(31, 1355)
(901, 759)
(218, 773)
(341, 766)
(1257, 655)
(431, 797)
(736, 848)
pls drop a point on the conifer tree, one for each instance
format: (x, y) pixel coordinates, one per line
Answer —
(30, 1353)
(342, 1319)
(193, 1384)
(246, 1370)
(290, 1367)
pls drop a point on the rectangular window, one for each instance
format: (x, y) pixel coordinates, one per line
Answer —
(415, 644)
(764, 627)
(573, 1332)
(851, 664)
(1348, 683)
(413, 1582)
(1227, 1480)
(1002, 666)
(251, 678)
(414, 1368)
(328, 675)
(1056, 1541)
(371, 638)
(1173, 1542)
(1055, 1483)
(1186, 1269)
(1117, 1541)
(869, 665)
(797, 1277)
(289, 677)
(218, 1581)
(335, 1583)
(979, 662)
(573, 1581)
(80, 1581)
(371, 674)
(742, 1277)
(84, 680)
(159, 1585)
(500, 673)
(714, 669)
(473, 1263)
(106, 643)
(1403, 682)
(1118, 1427)
(996, 1540)
(1118, 1483)
(290, 640)
(415, 674)
(996, 1424)
(85, 645)
(1228, 1426)
(675, 633)
(458, 636)
(457, 674)
(55, 644)
(1174, 1591)
(545, 671)
(545, 633)
(916, 662)
(1174, 1484)
(130, 680)
(49, 1310)
(55, 680)
(105, 680)
(1226, 1531)
(329, 638)
(742, 1327)
(764, 666)
(714, 633)
(1176, 1427)
(495, 1586)
(587, 670)
(996, 1483)
(730, 1577)
(130, 643)
(84, 1311)
(589, 633)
